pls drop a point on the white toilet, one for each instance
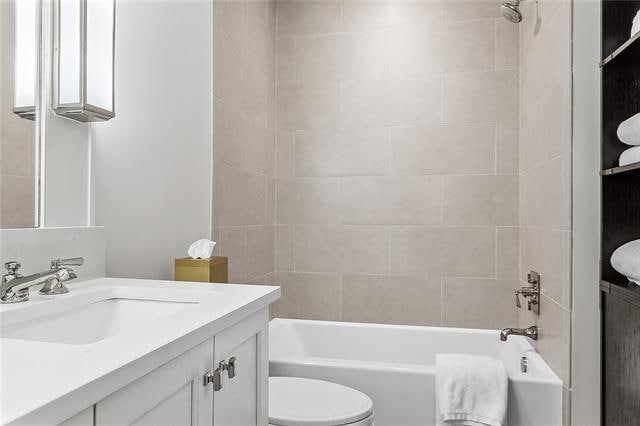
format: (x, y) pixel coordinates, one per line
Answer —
(295, 401)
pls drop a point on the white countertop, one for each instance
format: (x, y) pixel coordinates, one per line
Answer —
(43, 382)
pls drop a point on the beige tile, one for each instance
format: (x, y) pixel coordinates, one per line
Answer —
(554, 342)
(284, 248)
(230, 72)
(261, 42)
(460, 10)
(546, 128)
(507, 35)
(239, 197)
(17, 151)
(442, 149)
(230, 18)
(480, 96)
(256, 95)
(308, 201)
(286, 60)
(296, 18)
(442, 251)
(391, 300)
(478, 303)
(545, 195)
(392, 200)
(242, 142)
(341, 56)
(508, 252)
(312, 106)
(341, 153)
(410, 12)
(362, 15)
(285, 154)
(548, 253)
(233, 244)
(308, 296)
(347, 249)
(402, 101)
(481, 200)
(359, 15)
(427, 49)
(507, 150)
(267, 279)
(17, 201)
(260, 251)
(270, 201)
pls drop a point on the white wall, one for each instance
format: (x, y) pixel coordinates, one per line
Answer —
(35, 248)
(585, 362)
(152, 162)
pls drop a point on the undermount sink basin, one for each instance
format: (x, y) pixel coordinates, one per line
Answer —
(93, 322)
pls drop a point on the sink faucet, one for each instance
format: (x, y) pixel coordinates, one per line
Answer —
(530, 332)
(15, 287)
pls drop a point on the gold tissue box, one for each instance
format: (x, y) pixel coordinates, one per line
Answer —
(212, 270)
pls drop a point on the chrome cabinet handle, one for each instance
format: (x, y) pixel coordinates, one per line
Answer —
(231, 367)
(216, 376)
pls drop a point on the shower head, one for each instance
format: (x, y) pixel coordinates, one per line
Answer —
(511, 12)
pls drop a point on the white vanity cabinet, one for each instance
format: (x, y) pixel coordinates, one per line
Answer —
(179, 393)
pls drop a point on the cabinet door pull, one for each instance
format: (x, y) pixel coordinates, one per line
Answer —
(215, 377)
(231, 367)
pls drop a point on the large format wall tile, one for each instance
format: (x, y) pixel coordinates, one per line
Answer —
(478, 303)
(392, 200)
(480, 96)
(391, 300)
(390, 102)
(308, 296)
(480, 200)
(443, 251)
(397, 156)
(443, 149)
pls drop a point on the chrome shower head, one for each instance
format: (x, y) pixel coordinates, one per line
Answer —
(511, 12)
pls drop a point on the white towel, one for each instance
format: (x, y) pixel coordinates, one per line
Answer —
(626, 260)
(629, 130)
(471, 390)
(630, 156)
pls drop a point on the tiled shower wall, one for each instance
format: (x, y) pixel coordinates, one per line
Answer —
(545, 172)
(397, 162)
(17, 139)
(244, 138)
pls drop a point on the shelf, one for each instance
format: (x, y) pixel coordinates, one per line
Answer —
(629, 52)
(627, 291)
(621, 169)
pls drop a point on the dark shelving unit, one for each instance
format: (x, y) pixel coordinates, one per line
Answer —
(620, 208)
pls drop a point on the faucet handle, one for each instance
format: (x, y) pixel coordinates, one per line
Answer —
(518, 305)
(12, 267)
(73, 261)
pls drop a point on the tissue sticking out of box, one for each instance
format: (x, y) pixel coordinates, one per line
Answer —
(201, 249)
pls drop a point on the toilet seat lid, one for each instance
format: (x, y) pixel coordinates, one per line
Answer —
(295, 401)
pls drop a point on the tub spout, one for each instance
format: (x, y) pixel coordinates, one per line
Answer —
(530, 332)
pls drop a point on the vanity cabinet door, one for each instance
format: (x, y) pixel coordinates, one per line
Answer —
(174, 394)
(242, 399)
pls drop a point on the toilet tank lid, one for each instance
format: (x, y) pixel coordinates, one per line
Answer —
(295, 401)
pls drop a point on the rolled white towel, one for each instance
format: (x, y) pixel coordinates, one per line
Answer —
(470, 390)
(626, 260)
(629, 130)
(630, 156)
(635, 27)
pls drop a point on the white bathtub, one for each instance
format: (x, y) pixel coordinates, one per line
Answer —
(394, 365)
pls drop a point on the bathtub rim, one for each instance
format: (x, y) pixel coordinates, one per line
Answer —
(548, 375)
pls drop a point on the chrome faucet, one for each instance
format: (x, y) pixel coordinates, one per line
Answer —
(15, 287)
(530, 332)
(531, 292)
